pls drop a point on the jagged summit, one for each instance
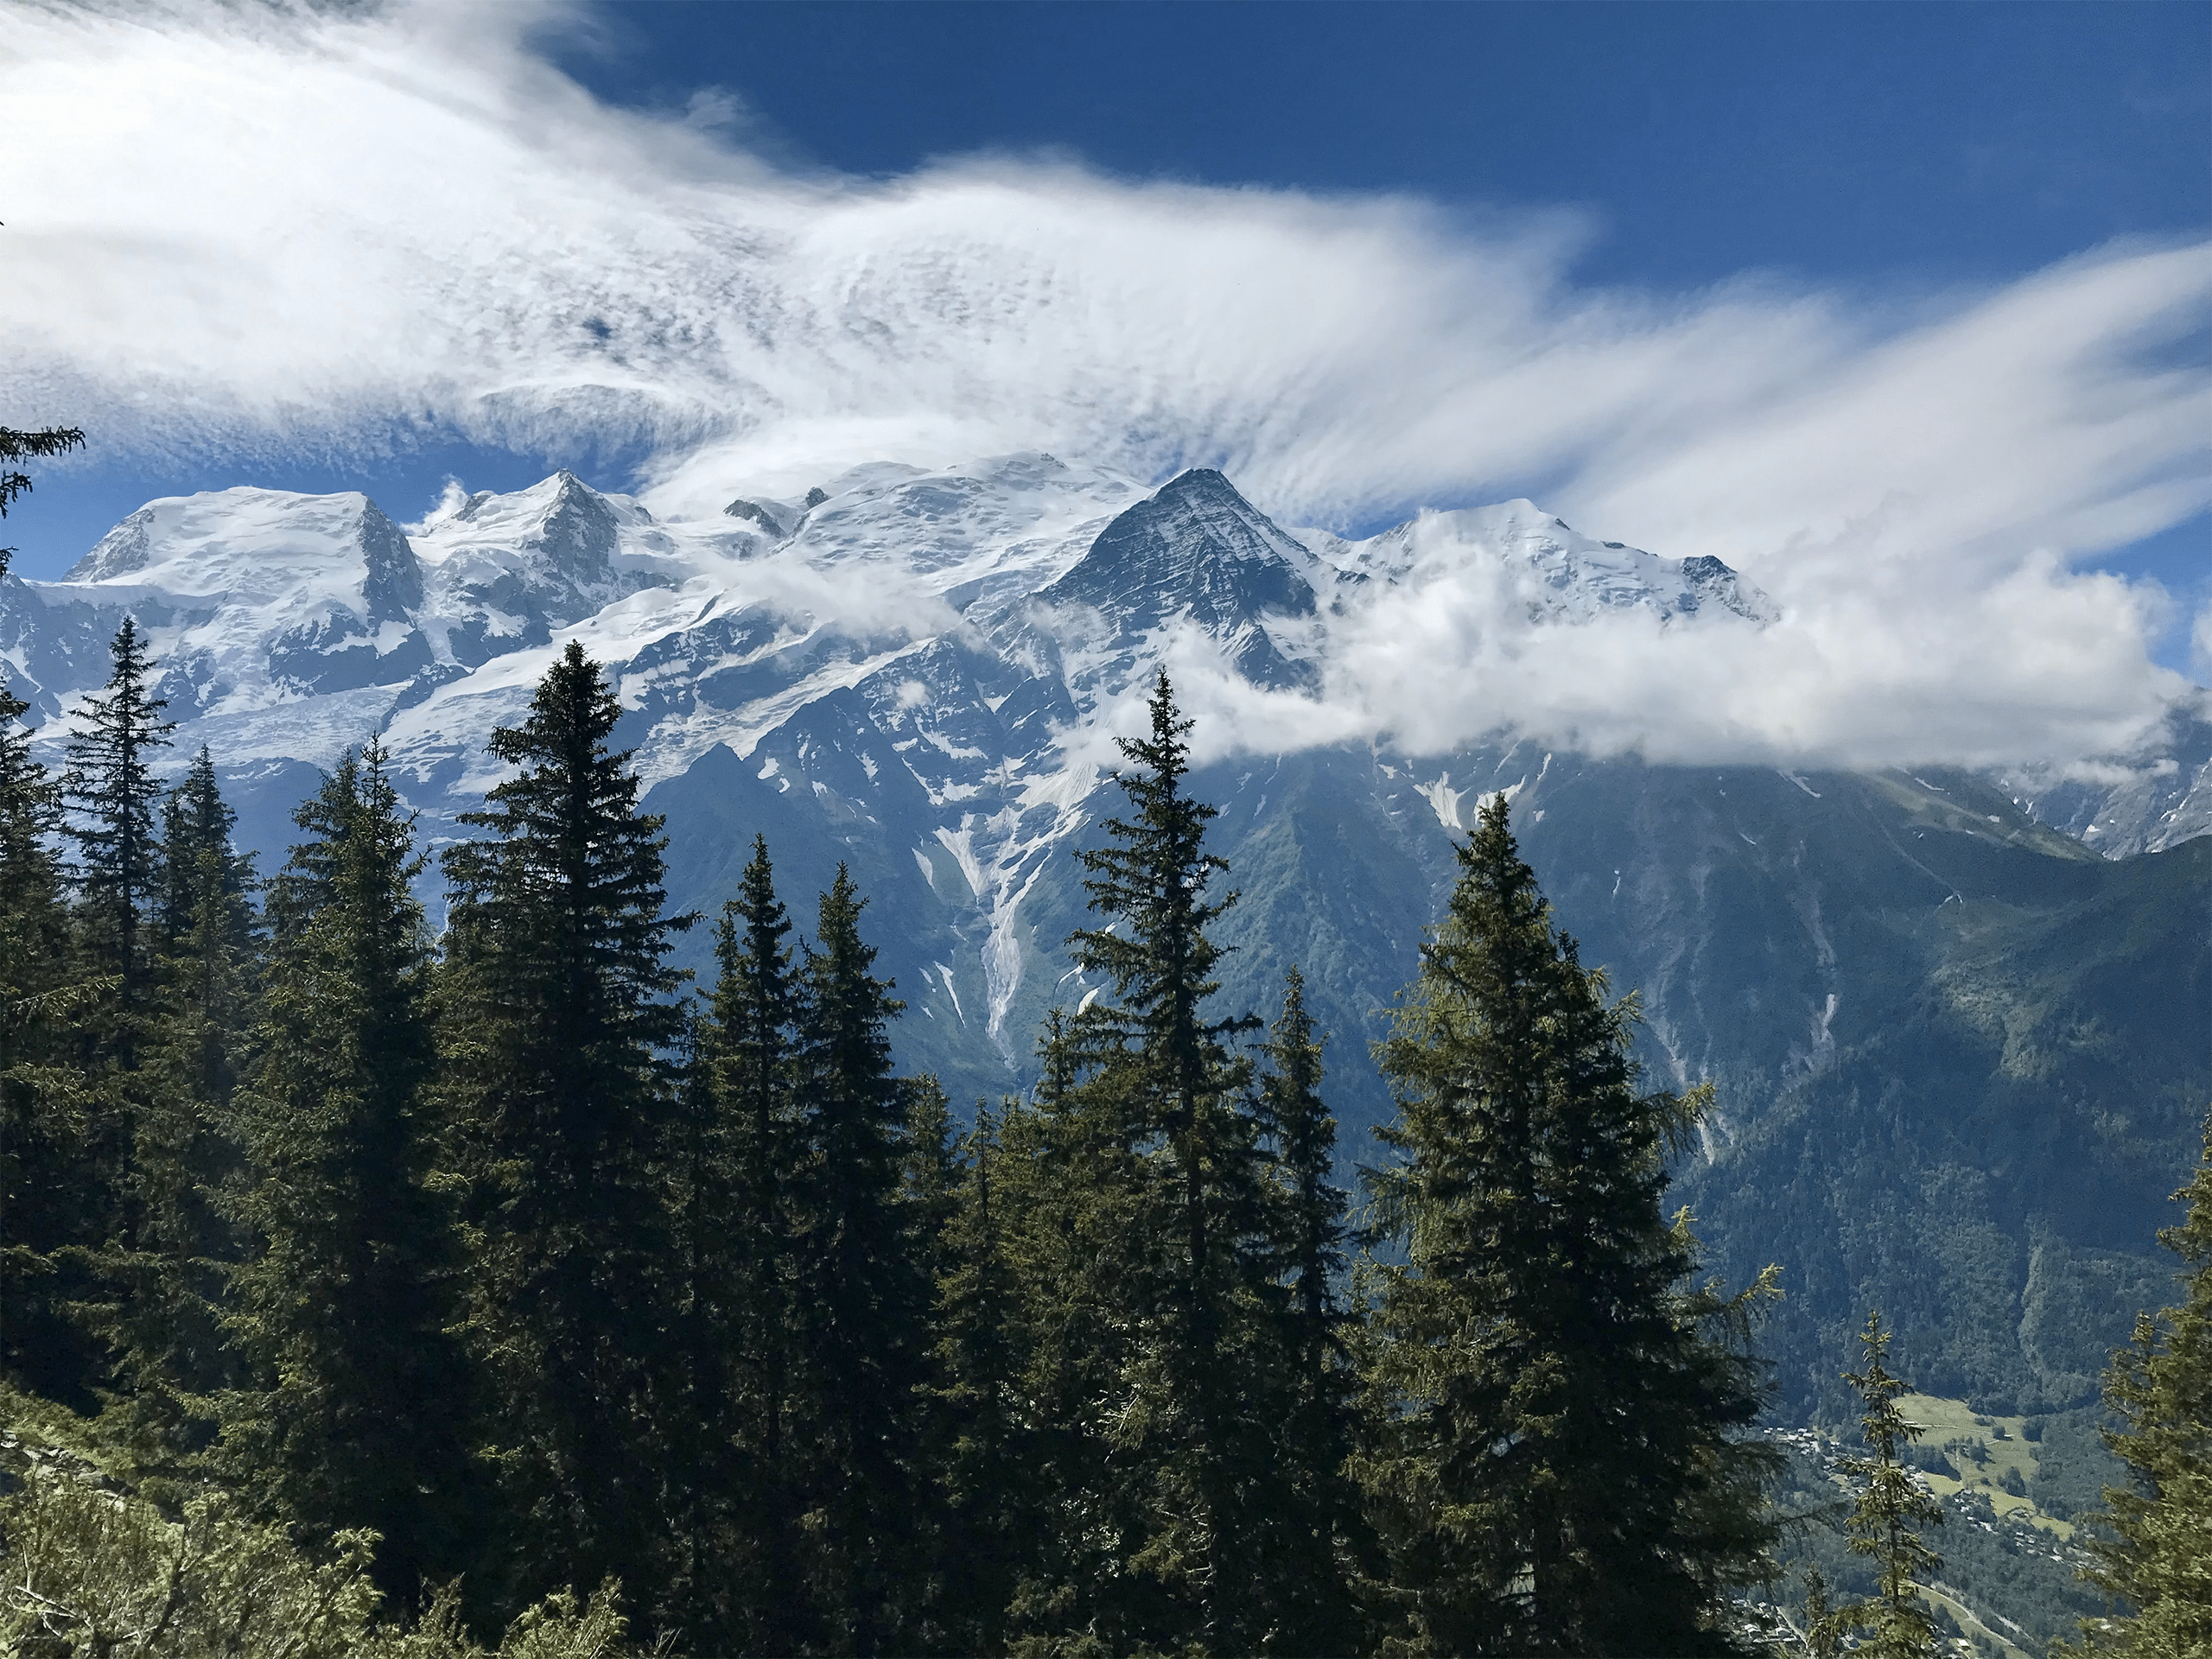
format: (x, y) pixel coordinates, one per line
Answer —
(1196, 547)
(753, 513)
(288, 626)
(1196, 553)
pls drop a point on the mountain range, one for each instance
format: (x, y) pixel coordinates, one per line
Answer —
(1958, 1025)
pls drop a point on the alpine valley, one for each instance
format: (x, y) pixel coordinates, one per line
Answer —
(1957, 1023)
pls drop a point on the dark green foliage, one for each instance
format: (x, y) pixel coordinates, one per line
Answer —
(549, 1277)
(557, 1032)
(979, 1444)
(1321, 1542)
(23, 446)
(165, 1275)
(1165, 1092)
(1162, 1354)
(111, 792)
(862, 1303)
(740, 1149)
(2157, 1554)
(46, 1173)
(1885, 1524)
(342, 1303)
(1555, 1467)
(133, 1270)
(930, 1174)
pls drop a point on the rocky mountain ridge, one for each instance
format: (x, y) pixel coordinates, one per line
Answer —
(916, 671)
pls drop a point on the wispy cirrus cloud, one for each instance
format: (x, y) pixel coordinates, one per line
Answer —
(246, 227)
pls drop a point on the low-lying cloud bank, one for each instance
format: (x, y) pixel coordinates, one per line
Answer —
(246, 227)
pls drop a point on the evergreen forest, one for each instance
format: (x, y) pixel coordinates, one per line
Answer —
(369, 1288)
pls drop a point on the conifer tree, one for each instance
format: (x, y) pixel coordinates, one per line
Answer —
(117, 1284)
(862, 1305)
(24, 445)
(704, 1590)
(930, 1178)
(1322, 1542)
(2156, 1554)
(112, 793)
(1886, 1522)
(980, 1450)
(1062, 1209)
(558, 1028)
(206, 948)
(47, 1175)
(1178, 1368)
(167, 1276)
(744, 1134)
(58, 1142)
(342, 1303)
(1553, 1465)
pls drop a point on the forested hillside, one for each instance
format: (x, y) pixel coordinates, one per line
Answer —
(1915, 997)
(448, 1275)
(651, 1170)
(509, 1268)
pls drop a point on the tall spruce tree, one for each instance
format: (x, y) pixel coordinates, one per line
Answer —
(980, 1448)
(167, 1276)
(863, 1305)
(356, 1415)
(114, 1283)
(1063, 1220)
(1554, 1465)
(2155, 1554)
(206, 943)
(1183, 1366)
(1322, 1544)
(559, 1028)
(704, 1590)
(1885, 1523)
(930, 1174)
(47, 1178)
(111, 794)
(743, 1571)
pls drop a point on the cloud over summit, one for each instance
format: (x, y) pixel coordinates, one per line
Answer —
(248, 227)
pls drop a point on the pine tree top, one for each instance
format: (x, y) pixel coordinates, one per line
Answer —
(1152, 878)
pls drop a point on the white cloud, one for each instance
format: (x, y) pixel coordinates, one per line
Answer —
(245, 227)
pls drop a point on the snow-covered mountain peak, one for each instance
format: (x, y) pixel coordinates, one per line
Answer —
(561, 524)
(915, 668)
(261, 547)
(1195, 553)
(1195, 546)
(510, 566)
(1558, 573)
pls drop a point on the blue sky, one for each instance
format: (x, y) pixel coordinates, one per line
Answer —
(1709, 203)
(1898, 147)
(1864, 142)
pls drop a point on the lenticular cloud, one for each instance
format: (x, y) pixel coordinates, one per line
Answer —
(248, 227)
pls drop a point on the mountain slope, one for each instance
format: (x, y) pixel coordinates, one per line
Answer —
(1959, 1055)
